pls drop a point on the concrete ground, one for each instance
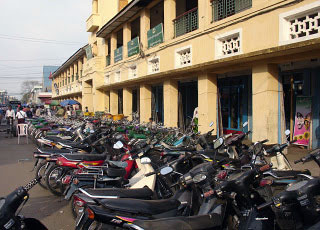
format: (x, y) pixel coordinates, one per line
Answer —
(16, 163)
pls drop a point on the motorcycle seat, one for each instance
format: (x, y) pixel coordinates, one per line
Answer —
(138, 193)
(174, 148)
(149, 207)
(287, 173)
(182, 223)
(118, 164)
(54, 151)
(71, 144)
(85, 157)
(115, 172)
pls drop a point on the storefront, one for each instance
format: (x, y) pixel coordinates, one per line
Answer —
(157, 103)
(234, 102)
(301, 96)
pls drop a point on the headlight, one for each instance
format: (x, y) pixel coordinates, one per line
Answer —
(198, 178)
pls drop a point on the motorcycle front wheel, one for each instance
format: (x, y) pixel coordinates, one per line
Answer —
(54, 179)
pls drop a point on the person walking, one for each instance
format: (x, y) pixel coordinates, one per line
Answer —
(10, 116)
(21, 116)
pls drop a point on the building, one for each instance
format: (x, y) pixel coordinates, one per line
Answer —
(4, 97)
(34, 95)
(234, 60)
(46, 80)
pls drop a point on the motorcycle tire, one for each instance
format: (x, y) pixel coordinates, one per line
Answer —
(54, 177)
(41, 171)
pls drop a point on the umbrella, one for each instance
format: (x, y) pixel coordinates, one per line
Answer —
(54, 103)
(68, 102)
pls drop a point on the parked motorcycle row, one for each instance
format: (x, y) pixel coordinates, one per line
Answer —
(125, 175)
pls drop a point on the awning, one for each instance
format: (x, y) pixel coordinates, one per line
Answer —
(123, 16)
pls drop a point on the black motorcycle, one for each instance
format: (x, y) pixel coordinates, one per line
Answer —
(9, 218)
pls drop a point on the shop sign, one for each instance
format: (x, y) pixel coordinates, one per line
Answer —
(155, 35)
(88, 52)
(133, 47)
(118, 54)
(302, 121)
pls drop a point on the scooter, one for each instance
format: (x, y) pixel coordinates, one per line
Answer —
(9, 218)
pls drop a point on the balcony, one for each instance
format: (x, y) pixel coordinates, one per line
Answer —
(224, 8)
(186, 22)
(93, 22)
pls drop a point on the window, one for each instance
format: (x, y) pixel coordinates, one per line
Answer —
(300, 24)
(132, 71)
(117, 77)
(228, 44)
(183, 57)
(187, 19)
(154, 65)
(225, 8)
(107, 79)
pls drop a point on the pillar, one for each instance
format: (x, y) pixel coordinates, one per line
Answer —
(113, 102)
(170, 103)
(145, 102)
(113, 42)
(144, 26)
(205, 14)
(127, 102)
(169, 15)
(107, 100)
(98, 101)
(207, 102)
(265, 94)
(126, 38)
(87, 96)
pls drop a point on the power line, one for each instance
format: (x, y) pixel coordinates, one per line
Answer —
(41, 59)
(39, 39)
(47, 41)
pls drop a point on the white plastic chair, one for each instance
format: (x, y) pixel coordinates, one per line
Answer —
(22, 130)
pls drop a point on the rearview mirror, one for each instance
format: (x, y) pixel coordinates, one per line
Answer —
(166, 170)
(118, 145)
(145, 160)
(211, 124)
(245, 124)
(217, 144)
(287, 132)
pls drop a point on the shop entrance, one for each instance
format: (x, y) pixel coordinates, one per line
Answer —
(187, 102)
(234, 102)
(120, 101)
(136, 103)
(157, 103)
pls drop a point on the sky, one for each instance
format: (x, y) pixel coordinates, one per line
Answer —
(34, 33)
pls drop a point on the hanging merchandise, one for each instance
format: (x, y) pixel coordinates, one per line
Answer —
(302, 121)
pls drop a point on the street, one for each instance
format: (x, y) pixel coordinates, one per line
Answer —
(16, 163)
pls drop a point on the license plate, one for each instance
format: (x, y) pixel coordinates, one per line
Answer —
(79, 218)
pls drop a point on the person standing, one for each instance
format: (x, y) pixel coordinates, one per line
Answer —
(29, 112)
(21, 116)
(38, 112)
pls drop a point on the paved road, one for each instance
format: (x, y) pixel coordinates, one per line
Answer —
(16, 162)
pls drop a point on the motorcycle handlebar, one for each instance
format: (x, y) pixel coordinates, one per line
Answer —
(32, 183)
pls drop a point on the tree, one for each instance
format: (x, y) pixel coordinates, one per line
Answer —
(26, 88)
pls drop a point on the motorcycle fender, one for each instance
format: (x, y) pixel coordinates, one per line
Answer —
(70, 191)
(73, 188)
(32, 223)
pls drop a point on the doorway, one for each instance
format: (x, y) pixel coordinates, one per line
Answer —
(187, 102)
(157, 103)
(234, 102)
